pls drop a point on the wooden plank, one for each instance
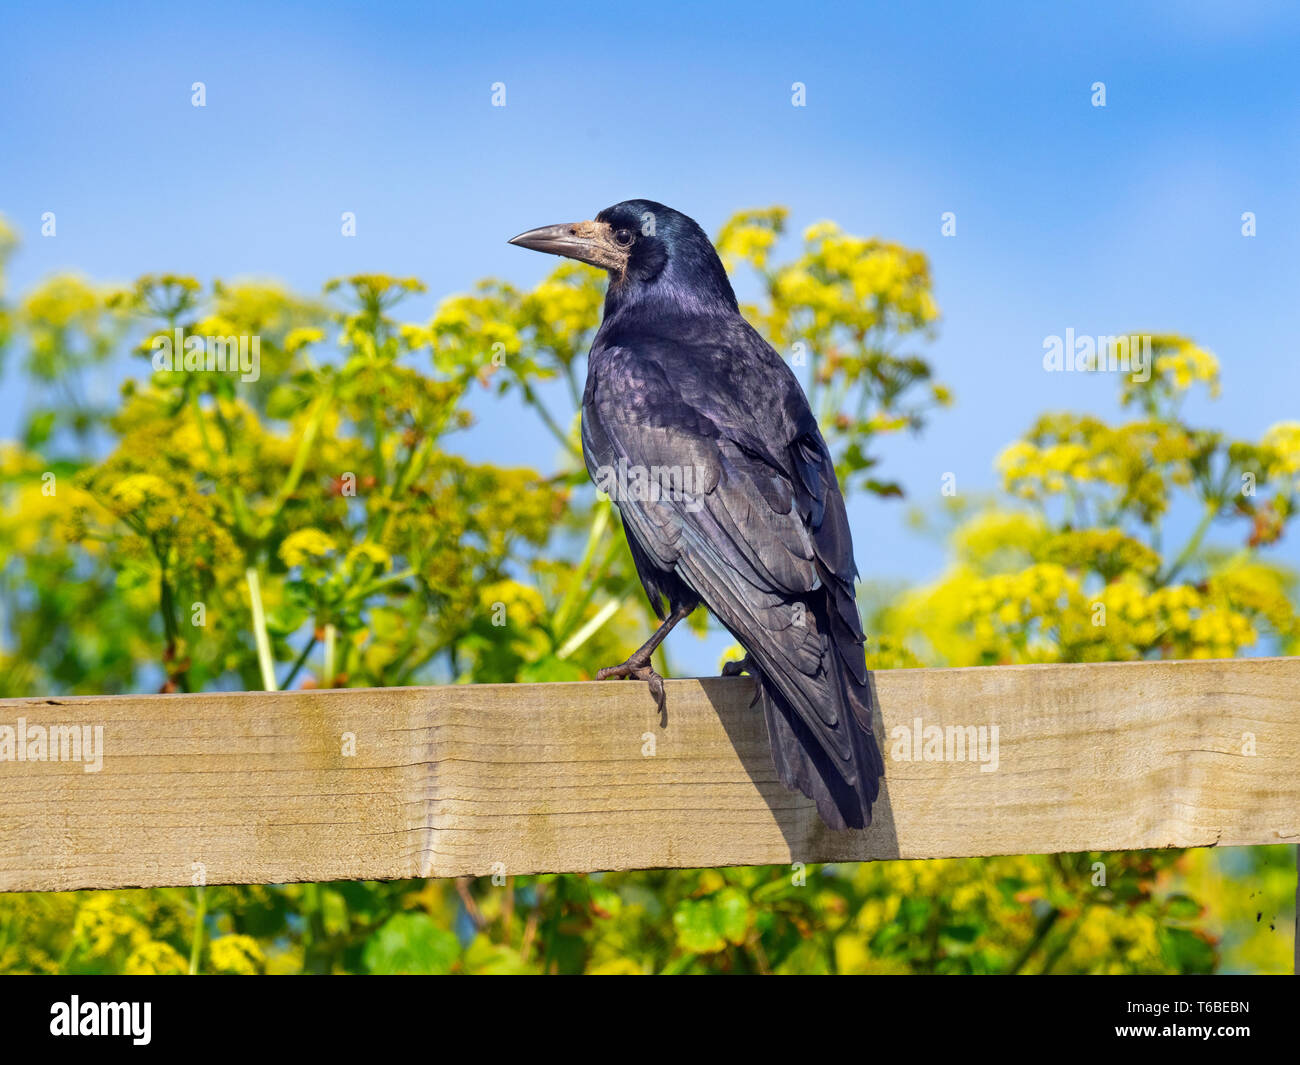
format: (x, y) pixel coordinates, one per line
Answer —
(261, 788)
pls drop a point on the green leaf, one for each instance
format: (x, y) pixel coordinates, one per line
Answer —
(484, 957)
(731, 909)
(411, 943)
(706, 926)
(1182, 908)
(39, 429)
(697, 928)
(962, 933)
(285, 619)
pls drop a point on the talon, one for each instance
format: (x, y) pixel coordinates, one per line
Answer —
(638, 669)
(656, 683)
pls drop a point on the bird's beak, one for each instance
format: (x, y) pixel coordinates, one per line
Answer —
(588, 242)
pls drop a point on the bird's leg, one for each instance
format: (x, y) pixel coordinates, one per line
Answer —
(638, 662)
(744, 665)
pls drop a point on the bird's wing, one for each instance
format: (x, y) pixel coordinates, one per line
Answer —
(762, 526)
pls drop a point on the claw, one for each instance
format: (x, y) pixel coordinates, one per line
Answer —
(639, 670)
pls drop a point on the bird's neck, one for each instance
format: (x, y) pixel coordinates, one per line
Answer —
(702, 294)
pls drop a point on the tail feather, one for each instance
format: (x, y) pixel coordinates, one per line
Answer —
(843, 793)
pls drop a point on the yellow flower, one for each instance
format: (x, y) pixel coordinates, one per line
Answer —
(1283, 441)
(523, 603)
(371, 552)
(134, 491)
(236, 954)
(300, 338)
(305, 545)
(155, 958)
(820, 231)
(100, 925)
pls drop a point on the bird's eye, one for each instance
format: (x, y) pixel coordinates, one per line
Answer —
(623, 238)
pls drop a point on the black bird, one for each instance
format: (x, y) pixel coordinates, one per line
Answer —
(704, 438)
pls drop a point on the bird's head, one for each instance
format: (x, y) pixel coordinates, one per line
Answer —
(648, 249)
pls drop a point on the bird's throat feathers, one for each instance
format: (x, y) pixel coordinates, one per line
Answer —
(688, 283)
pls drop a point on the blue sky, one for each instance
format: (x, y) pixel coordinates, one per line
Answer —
(1117, 219)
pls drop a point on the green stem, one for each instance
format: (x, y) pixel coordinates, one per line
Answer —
(171, 626)
(376, 442)
(1045, 924)
(369, 589)
(331, 639)
(294, 475)
(1058, 950)
(1192, 545)
(298, 662)
(590, 628)
(599, 524)
(243, 519)
(531, 398)
(200, 914)
(413, 467)
(260, 637)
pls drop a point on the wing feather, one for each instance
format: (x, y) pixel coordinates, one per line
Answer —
(741, 543)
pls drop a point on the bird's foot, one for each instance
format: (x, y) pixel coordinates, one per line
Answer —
(744, 665)
(638, 667)
(734, 669)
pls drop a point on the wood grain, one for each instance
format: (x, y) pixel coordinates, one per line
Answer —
(449, 781)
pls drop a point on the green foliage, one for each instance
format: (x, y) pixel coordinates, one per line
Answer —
(315, 527)
(411, 943)
(1078, 571)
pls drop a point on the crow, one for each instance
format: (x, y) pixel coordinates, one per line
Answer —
(703, 438)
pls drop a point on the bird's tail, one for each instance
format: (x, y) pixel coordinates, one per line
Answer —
(843, 788)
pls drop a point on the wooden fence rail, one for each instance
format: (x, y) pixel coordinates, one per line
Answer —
(448, 781)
